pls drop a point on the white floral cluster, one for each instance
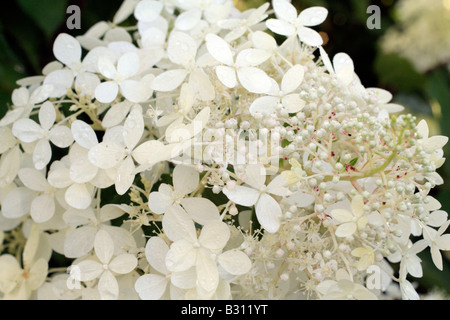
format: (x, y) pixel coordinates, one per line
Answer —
(422, 33)
(189, 156)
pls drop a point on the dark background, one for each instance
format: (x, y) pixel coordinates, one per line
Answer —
(29, 27)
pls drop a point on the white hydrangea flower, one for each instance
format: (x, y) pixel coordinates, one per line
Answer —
(26, 130)
(282, 97)
(17, 283)
(350, 221)
(288, 23)
(188, 251)
(80, 241)
(154, 286)
(243, 68)
(106, 267)
(268, 210)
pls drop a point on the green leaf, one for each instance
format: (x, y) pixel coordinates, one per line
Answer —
(398, 73)
(48, 15)
(353, 162)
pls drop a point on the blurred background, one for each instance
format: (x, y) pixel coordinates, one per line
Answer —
(409, 55)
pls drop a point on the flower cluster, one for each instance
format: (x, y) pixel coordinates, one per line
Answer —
(192, 156)
(422, 33)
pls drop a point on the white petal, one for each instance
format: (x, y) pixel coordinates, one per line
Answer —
(86, 83)
(184, 279)
(106, 67)
(434, 143)
(137, 91)
(268, 212)
(151, 152)
(264, 105)
(169, 80)
(38, 274)
(344, 67)
(284, 10)
(393, 108)
(83, 134)
(181, 48)
(242, 195)
(252, 57)
(42, 154)
(155, 251)
(280, 27)
(91, 60)
(110, 212)
(158, 202)
(227, 76)
(125, 176)
(7, 140)
(293, 103)
(207, 273)
(264, 41)
(9, 165)
(219, 49)
(33, 179)
(89, 270)
(20, 97)
(61, 80)
(185, 179)
(78, 196)
(437, 218)
(235, 262)
(108, 286)
(256, 176)
(414, 267)
(310, 37)
(408, 291)
(47, 115)
(214, 235)
(106, 155)
(151, 286)
(292, 78)
(326, 60)
(201, 210)
(358, 206)
(178, 225)
(346, 229)
(106, 92)
(181, 256)
(103, 246)
(203, 88)
(42, 208)
(59, 178)
(342, 215)
(133, 127)
(128, 64)
(277, 186)
(148, 10)
(27, 130)
(79, 242)
(188, 19)
(67, 49)
(61, 136)
(126, 9)
(313, 16)
(121, 238)
(123, 264)
(115, 115)
(302, 200)
(254, 80)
